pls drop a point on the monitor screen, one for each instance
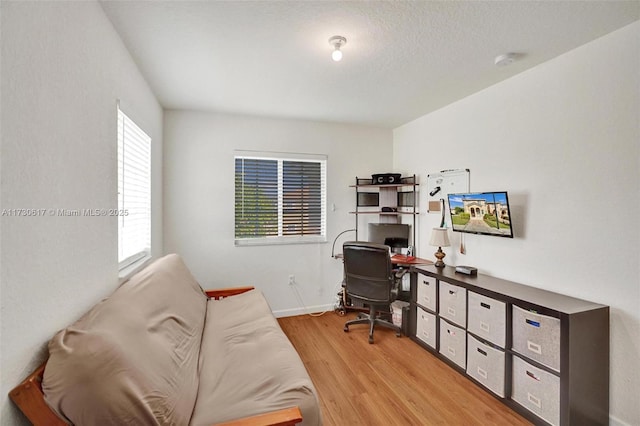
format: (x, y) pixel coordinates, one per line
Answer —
(395, 235)
(485, 213)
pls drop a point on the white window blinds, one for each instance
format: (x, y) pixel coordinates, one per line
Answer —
(134, 192)
(280, 199)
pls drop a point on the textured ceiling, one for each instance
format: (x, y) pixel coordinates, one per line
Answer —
(402, 59)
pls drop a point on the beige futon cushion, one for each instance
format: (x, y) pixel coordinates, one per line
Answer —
(248, 366)
(133, 358)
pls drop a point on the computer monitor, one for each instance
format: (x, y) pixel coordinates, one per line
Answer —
(395, 235)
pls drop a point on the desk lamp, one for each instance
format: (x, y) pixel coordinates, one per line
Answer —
(439, 238)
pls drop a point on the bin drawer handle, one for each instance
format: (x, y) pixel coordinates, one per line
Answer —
(485, 305)
(533, 323)
(482, 352)
(533, 376)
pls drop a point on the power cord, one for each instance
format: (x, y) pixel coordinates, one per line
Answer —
(304, 307)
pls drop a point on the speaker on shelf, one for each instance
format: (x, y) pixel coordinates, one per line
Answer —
(385, 178)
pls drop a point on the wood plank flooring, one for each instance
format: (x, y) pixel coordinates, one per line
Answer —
(391, 382)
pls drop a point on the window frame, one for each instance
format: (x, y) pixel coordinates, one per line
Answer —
(282, 157)
(141, 256)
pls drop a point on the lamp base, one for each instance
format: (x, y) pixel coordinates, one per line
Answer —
(439, 255)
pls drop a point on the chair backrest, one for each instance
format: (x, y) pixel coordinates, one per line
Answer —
(368, 272)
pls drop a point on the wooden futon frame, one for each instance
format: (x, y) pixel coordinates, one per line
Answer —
(29, 398)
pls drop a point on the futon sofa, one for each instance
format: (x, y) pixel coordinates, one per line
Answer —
(161, 351)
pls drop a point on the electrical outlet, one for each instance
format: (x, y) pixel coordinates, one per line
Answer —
(292, 280)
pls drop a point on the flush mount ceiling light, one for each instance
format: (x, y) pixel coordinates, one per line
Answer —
(337, 42)
(505, 59)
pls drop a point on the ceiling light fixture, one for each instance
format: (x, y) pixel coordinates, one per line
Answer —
(505, 59)
(337, 42)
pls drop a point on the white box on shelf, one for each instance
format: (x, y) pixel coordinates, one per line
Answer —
(426, 296)
(486, 364)
(536, 390)
(487, 318)
(537, 337)
(453, 303)
(426, 327)
(453, 343)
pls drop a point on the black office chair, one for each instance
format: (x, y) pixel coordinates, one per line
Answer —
(369, 278)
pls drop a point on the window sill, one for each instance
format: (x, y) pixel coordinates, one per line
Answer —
(274, 241)
(128, 271)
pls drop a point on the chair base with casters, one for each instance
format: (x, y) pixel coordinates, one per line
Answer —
(372, 319)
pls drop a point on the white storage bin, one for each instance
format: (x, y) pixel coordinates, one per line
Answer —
(426, 292)
(453, 343)
(486, 364)
(453, 303)
(536, 390)
(537, 337)
(397, 306)
(487, 318)
(426, 327)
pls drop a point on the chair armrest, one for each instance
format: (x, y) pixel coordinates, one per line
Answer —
(219, 293)
(399, 273)
(285, 417)
(29, 398)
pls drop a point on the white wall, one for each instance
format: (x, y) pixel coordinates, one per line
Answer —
(563, 139)
(199, 200)
(63, 67)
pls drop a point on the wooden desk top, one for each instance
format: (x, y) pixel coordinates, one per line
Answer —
(400, 259)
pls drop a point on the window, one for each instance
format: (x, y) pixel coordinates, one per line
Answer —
(280, 198)
(134, 192)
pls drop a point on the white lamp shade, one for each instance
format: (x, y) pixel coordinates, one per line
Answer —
(439, 237)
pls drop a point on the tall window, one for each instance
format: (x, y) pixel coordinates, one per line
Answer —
(134, 192)
(280, 198)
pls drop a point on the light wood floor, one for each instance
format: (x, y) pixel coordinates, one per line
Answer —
(391, 382)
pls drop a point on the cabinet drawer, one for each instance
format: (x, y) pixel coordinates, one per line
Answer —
(487, 318)
(536, 390)
(426, 296)
(486, 364)
(453, 342)
(537, 337)
(426, 327)
(453, 303)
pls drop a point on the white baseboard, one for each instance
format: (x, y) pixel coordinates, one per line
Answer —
(614, 421)
(302, 311)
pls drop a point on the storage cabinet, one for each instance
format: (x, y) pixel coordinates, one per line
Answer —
(544, 354)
